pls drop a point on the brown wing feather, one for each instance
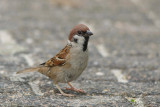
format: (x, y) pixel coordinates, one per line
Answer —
(59, 59)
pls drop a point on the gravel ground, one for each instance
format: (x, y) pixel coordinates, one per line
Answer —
(123, 68)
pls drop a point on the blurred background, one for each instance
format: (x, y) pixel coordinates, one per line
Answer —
(124, 51)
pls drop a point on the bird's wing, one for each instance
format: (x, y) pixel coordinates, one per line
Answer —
(59, 59)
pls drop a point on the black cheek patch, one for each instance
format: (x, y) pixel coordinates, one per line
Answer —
(75, 40)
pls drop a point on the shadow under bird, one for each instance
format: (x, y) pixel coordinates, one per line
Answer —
(70, 62)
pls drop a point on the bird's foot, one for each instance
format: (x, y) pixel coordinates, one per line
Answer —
(76, 90)
(67, 95)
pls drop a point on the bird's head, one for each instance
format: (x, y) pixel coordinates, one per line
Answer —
(80, 30)
(79, 35)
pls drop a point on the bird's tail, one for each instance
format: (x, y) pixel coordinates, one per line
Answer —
(29, 70)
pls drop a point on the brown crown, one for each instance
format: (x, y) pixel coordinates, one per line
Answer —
(79, 27)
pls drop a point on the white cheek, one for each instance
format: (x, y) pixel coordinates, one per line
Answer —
(80, 40)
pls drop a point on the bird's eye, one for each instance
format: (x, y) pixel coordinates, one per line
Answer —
(79, 32)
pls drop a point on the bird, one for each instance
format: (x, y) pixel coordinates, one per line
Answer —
(70, 62)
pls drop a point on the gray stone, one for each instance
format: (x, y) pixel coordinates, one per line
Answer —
(123, 68)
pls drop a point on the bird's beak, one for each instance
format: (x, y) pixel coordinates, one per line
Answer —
(89, 33)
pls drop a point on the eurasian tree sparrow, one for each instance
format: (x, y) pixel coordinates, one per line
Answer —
(70, 62)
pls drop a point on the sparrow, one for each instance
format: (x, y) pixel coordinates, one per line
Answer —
(70, 62)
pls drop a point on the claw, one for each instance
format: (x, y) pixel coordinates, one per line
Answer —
(76, 90)
(62, 93)
(67, 95)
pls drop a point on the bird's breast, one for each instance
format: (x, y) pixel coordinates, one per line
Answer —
(79, 59)
(78, 62)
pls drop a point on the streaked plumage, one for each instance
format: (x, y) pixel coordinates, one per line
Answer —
(70, 62)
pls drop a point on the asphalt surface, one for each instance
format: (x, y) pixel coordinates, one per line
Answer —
(123, 68)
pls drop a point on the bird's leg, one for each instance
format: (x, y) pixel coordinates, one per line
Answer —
(64, 94)
(74, 89)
